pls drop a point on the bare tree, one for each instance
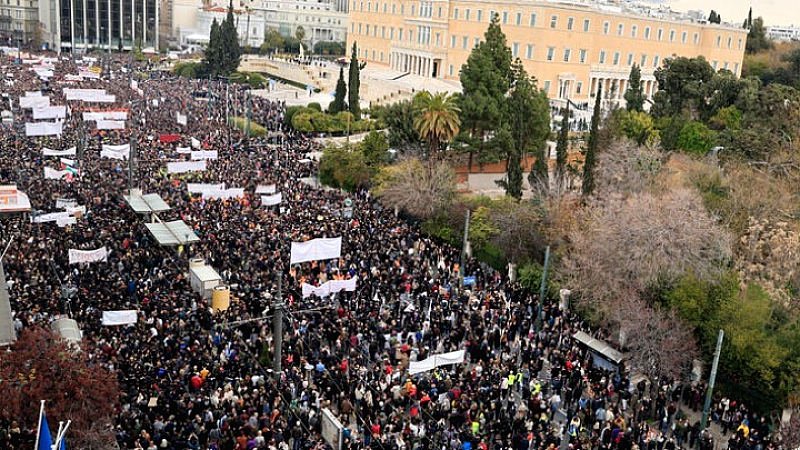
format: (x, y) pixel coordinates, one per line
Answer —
(630, 244)
(767, 254)
(417, 188)
(519, 234)
(626, 168)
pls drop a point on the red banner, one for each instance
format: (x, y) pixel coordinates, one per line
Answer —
(167, 138)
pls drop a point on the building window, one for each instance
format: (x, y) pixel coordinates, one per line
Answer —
(367, 30)
(440, 13)
(453, 41)
(519, 18)
(616, 58)
(476, 42)
(438, 39)
(464, 43)
(391, 33)
(725, 66)
(505, 17)
(515, 49)
(550, 52)
(672, 35)
(655, 61)
(529, 52)
(634, 30)
(583, 55)
(660, 33)
(546, 87)
(480, 15)
(385, 7)
(736, 68)
(553, 21)
(585, 25)
(567, 54)
(400, 34)
(394, 8)
(620, 29)
(719, 41)
(740, 44)
(381, 56)
(353, 28)
(647, 32)
(359, 28)
(715, 65)
(492, 15)
(643, 60)
(606, 26)
(602, 59)
(630, 59)
(402, 9)
(455, 14)
(578, 87)
(383, 32)
(533, 19)
(466, 14)
(369, 6)
(684, 36)
(730, 42)
(697, 38)
(450, 70)
(570, 23)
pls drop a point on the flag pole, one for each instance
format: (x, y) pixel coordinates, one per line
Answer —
(58, 433)
(60, 436)
(39, 428)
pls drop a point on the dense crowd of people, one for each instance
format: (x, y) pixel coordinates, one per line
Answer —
(523, 385)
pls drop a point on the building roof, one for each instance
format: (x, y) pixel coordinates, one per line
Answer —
(205, 273)
(172, 233)
(149, 203)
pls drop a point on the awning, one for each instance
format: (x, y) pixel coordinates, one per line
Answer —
(172, 233)
(149, 203)
(600, 347)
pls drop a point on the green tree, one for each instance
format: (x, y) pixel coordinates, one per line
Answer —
(272, 40)
(485, 80)
(757, 37)
(398, 118)
(229, 37)
(527, 113)
(375, 148)
(344, 167)
(341, 91)
(353, 85)
(681, 86)
(634, 96)
(590, 159)
(636, 126)
(696, 138)
(300, 33)
(562, 147)
(512, 183)
(213, 56)
(436, 119)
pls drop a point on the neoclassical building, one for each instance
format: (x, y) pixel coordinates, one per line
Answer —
(571, 48)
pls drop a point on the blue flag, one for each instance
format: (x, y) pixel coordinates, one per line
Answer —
(45, 441)
(63, 443)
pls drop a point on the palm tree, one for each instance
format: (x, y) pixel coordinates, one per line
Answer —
(436, 118)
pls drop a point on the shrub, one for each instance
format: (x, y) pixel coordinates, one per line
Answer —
(256, 130)
(315, 106)
(696, 138)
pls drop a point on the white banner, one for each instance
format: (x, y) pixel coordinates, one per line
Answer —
(270, 200)
(199, 188)
(316, 249)
(87, 256)
(116, 151)
(43, 73)
(329, 287)
(134, 85)
(195, 143)
(183, 150)
(34, 102)
(31, 94)
(105, 115)
(67, 161)
(50, 112)
(186, 166)
(89, 75)
(433, 361)
(110, 124)
(204, 154)
(265, 189)
(72, 151)
(53, 174)
(181, 119)
(71, 77)
(50, 217)
(76, 209)
(223, 194)
(43, 129)
(62, 203)
(111, 318)
(62, 222)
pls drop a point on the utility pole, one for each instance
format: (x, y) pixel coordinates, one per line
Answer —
(711, 380)
(277, 331)
(248, 115)
(209, 97)
(463, 251)
(132, 159)
(542, 289)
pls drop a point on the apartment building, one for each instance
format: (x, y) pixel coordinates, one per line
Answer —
(570, 48)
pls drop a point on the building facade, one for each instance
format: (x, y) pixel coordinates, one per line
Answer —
(570, 48)
(82, 25)
(19, 22)
(778, 33)
(321, 20)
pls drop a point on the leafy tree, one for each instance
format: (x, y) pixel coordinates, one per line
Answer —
(485, 79)
(757, 37)
(398, 119)
(229, 37)
(300, 33)
(527, 113)
(696, 138)
(634, 96)
(591, 148)
(512, 183)
(436, 119)
(636, 126)
(344, 167)
(714, 17)
(341, 91)
(213, 56)
(353, 85)
(272, 40)
(375, 148)
(562, 146)
(329, 48)
(681, 86)
(40, 366)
